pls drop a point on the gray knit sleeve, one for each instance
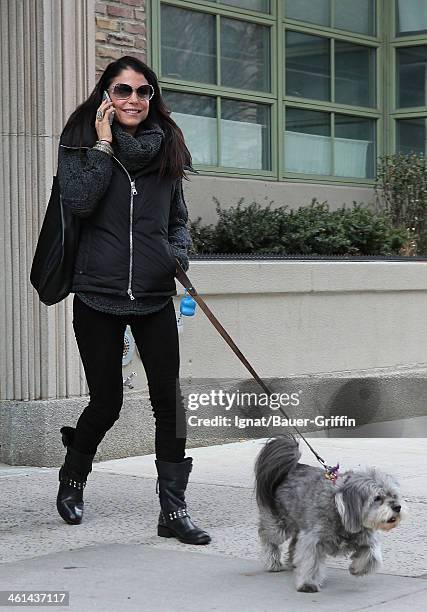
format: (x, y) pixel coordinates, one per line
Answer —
(83, 180)
(179, 234)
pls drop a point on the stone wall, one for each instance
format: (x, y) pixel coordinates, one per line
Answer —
(120, 30)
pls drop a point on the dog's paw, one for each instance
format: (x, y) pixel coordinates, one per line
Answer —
(276, 567)
(366, 561)
(287, 566)
(359, 570)
(308, 587)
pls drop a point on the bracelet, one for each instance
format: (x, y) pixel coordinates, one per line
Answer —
(102, 145)
(105, 143)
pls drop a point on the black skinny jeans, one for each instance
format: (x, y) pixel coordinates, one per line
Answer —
(100, 338)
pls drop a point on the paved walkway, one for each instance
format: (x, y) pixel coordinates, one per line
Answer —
(114, 561)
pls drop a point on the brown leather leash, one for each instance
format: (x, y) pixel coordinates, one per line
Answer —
(187, 284)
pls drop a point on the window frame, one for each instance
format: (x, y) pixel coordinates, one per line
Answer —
(277, 99)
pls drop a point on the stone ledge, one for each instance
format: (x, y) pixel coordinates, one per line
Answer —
(235, 276)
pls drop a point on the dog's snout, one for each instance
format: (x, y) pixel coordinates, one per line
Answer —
(396, 508)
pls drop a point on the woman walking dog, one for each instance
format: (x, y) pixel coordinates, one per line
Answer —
(120, 168)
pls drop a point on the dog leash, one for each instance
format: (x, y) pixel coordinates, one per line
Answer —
(331, 472)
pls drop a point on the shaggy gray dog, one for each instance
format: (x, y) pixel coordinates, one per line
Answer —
(319, 517)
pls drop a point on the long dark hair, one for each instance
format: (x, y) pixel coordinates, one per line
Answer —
(80, 128)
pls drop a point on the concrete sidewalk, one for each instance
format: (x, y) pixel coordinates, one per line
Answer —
(114, 561)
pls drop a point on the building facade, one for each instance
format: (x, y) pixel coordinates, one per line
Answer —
(303, 92)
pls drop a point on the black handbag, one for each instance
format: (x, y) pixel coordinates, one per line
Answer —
(53, 264)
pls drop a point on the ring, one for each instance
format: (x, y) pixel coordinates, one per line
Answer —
(100, 115)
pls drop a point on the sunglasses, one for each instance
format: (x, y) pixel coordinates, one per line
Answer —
(122, 91)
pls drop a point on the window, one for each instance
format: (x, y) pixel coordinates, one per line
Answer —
(245, 135)
(214, 50)
(330, 71)
(411, 76)
(244, 66)
(310, 147)
(411, 17)
(410, 91)
(354, 146)
(283, 89)
(356, 16)
(411, 135)
(308, 144)
(351, 15)
(354, 74)
(310, 11)
(196, 116)
(308, 70)
(262, 6)
(308, 59)
(188, 45)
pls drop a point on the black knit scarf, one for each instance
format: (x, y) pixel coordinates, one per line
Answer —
(141, 152)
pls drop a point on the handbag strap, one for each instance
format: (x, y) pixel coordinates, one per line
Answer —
(187, 284)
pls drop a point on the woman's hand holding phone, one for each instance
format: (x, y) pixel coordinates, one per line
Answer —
(103, 126)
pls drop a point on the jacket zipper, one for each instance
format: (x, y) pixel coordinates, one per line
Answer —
(133, 192)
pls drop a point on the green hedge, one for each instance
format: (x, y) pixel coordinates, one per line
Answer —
(309, 230)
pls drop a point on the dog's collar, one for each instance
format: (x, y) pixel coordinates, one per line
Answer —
(331, 472)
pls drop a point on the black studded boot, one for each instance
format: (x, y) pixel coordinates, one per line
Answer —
(72, 480)
(174, 521)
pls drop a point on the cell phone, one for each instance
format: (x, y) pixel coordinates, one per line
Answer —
(105, 96)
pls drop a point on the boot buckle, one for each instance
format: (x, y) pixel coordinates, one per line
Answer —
(177, 514)
(71, 482)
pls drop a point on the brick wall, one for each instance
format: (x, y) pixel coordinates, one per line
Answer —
(120, 30)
